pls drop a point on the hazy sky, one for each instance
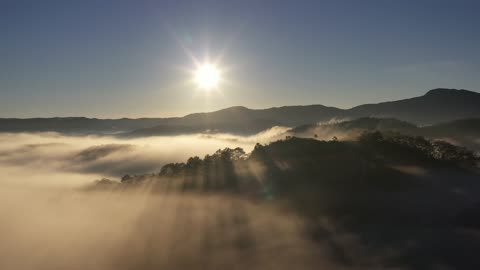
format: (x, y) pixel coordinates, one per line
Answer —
(115, 58)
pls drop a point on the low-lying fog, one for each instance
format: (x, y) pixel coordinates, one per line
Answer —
(47, 223)
(52, 229)
(50, 158)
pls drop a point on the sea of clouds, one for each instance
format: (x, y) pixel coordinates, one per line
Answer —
(47, 221)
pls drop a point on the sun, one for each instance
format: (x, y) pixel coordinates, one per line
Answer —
(207, 76)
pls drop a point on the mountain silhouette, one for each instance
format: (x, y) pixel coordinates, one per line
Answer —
(437, 105)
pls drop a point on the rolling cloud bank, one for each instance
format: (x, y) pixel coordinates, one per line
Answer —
(343, 220)
(49, 223)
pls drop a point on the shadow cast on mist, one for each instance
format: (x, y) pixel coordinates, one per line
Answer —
(384, 201)
(138, 229)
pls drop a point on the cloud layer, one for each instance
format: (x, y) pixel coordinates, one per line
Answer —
(103, 156)
(46, 219)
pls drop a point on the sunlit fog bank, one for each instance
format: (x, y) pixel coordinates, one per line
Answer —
(316, 199)
(46, 222)
(50, 158)
(70, 230)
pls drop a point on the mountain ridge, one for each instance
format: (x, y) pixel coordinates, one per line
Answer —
(436, 105)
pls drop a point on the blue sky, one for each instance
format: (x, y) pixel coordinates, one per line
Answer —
(131, 58)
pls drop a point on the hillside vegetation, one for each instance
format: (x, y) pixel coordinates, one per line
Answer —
(387, 189)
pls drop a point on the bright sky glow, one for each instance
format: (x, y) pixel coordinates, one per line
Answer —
(207, 76)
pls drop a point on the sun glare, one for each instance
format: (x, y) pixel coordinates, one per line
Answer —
(207, 76)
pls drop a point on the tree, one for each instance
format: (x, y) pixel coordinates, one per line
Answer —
(126, 178)
(445, 151)
(193, 162)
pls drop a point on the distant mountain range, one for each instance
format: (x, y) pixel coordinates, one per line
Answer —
(464, 132)
(437, 105)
